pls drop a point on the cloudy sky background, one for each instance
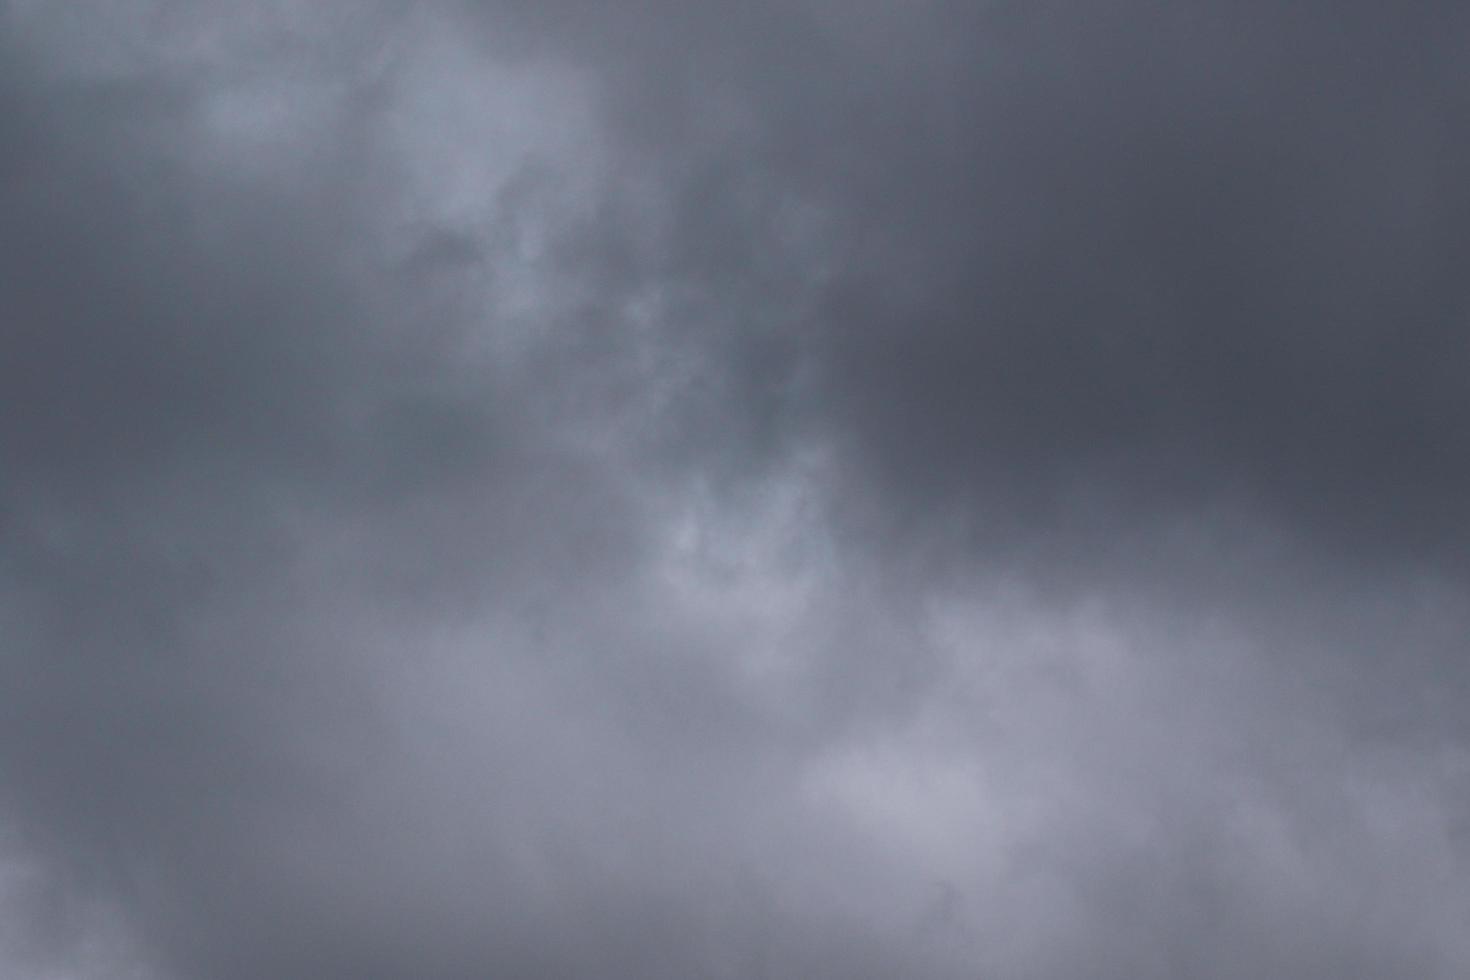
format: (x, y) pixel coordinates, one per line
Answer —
(804, 489)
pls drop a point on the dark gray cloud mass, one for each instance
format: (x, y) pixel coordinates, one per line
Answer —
(830, 488)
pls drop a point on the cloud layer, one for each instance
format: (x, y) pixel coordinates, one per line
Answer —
(701, 490)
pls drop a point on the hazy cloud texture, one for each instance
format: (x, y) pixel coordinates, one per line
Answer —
(821, 489)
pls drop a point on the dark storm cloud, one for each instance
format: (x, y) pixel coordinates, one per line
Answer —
(1172, 261)
(1229, 271)
(1177, 252)
(573, 489)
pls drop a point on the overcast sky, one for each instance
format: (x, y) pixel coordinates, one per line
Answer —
(766, 490)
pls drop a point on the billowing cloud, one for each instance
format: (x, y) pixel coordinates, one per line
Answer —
(768, 490)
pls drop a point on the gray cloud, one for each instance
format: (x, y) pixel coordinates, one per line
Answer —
(659, 490)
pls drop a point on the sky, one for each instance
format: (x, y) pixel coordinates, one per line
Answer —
(672, 489)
